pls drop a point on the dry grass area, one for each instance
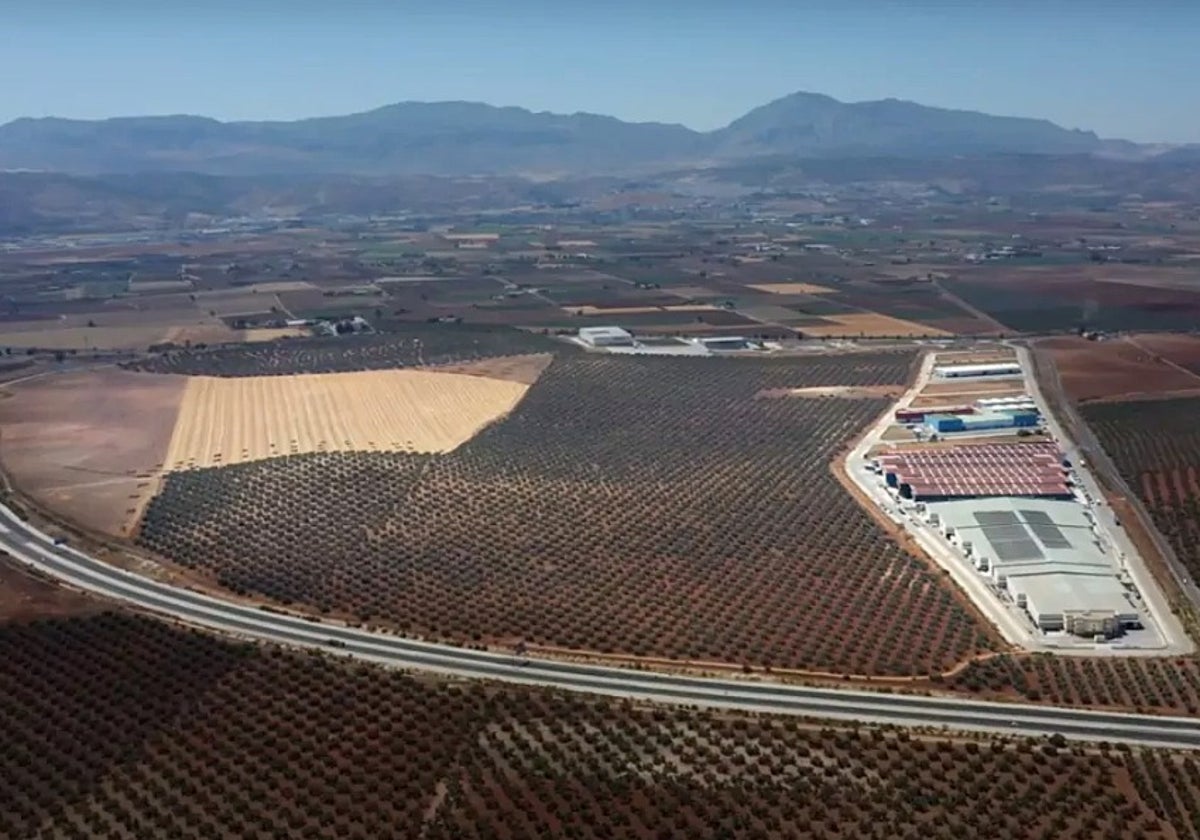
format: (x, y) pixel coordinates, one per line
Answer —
(790, 288)
(117, 329)
(960, 397)
(233, 420)
(207, 333)
(869, 324)
(989, 387)
(88, 445)
(260, 334)
(975, 357)
(234, 302)
(52, 336)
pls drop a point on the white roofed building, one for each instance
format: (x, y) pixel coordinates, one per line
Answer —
(605, 337)
(1047, 554)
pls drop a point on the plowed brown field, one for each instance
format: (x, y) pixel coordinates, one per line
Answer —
(232, 420)
(89, 444)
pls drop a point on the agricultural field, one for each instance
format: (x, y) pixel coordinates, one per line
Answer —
(47, 336)
(225, 420)
(125, 727)
(407, 346)
(689, 520)
(1166, 686)
(1156, 446)
(1125, 367)
(1179, 351)
(1061, 300)
(90, 444)
(869, 324)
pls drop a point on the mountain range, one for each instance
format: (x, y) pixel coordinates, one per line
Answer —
(466, 138)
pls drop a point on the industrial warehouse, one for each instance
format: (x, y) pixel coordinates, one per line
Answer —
(1013, 469)
(1047, 555)
(965, 371)
(971, 468)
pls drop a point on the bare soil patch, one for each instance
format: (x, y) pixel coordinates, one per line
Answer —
(1116, 369)
(790, 288)
(523, 369)
(991, 388)
(1181, 350)
(24, 597)
(89, 445)
(232, 420)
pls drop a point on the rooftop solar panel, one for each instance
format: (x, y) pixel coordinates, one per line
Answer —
(1044, 529)
(1021, 548)
(996, 517)
(1008, 536)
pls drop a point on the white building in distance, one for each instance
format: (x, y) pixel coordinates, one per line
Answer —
(605, 337)
(967, 371)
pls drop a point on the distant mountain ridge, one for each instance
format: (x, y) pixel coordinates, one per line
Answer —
(465, 138)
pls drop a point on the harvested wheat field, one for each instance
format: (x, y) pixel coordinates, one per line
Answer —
(790, 288)
(255, 335)
(233, 420)
(89, 445)
(869, 324)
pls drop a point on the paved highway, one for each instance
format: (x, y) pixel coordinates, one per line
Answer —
(76, 569)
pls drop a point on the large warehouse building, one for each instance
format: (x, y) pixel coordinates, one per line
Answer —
(1000, 469)
(1048, 556)
(968, 371)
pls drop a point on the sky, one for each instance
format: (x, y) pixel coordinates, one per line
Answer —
(1125, 69)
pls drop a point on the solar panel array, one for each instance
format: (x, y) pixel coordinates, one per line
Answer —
(1008, 536)
(1045, 530)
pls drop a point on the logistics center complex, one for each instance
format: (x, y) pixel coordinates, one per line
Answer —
(1010, 507)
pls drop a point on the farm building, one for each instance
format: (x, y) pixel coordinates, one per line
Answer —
(1047, 555)
(1008, 469)
(967, 371)
(981, 421)
(605, 337)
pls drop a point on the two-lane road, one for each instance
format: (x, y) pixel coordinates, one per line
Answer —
(76, 569)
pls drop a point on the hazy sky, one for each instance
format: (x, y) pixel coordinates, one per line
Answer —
(1125, 69)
